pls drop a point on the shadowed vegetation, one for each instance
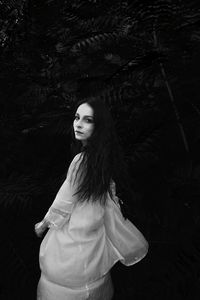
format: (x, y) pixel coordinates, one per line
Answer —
(142, 59)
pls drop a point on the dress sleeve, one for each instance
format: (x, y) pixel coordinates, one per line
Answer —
(124, 238)
(60, 211)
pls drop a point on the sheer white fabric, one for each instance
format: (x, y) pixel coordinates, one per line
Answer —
(84, 241)
(101, 289)
(125, 239)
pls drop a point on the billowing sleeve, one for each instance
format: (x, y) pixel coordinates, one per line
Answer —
(61, 208)
(127, 242)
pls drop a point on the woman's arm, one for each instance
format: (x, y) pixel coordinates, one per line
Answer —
(60, 210)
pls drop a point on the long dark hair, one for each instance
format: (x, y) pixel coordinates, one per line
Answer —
(102, 159)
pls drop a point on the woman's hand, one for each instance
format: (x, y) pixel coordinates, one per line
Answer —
(41, 227)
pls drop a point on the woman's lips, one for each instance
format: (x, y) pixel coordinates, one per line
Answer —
(78, 132)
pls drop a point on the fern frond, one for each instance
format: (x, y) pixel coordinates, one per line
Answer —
(18, 191)
(101, 23)
(9, 4)
(87, 9)
(36, 93)
(95, 41)
(164, 15)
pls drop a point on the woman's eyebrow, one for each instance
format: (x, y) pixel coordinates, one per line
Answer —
(85, 116)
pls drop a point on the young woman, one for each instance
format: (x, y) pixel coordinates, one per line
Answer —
(87, 232)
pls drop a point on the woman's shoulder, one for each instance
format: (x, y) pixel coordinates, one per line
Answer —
(78, 157)
(75, 163)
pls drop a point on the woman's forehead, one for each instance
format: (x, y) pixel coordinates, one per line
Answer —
(85, 110)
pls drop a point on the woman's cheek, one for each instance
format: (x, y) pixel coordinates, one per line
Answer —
(92, 129)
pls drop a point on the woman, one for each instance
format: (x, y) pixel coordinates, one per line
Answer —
(87, 232)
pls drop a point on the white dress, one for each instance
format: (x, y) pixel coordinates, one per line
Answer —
(82, 244)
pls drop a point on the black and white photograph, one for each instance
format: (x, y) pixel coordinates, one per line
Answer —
(100, 150)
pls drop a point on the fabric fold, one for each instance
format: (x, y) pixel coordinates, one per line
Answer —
(126, 240)
(62, 207)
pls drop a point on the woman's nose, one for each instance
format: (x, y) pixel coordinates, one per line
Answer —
(79, 124)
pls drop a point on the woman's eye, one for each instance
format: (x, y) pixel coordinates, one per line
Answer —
(76, 118)
(89, 120)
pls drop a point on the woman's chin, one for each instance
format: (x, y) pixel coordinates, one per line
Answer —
(78, 138)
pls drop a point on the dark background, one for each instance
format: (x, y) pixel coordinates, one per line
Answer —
(143, 60)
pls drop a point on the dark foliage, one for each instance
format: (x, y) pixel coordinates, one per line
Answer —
(142, 59)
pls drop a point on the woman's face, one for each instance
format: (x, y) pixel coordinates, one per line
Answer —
(83, 123)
